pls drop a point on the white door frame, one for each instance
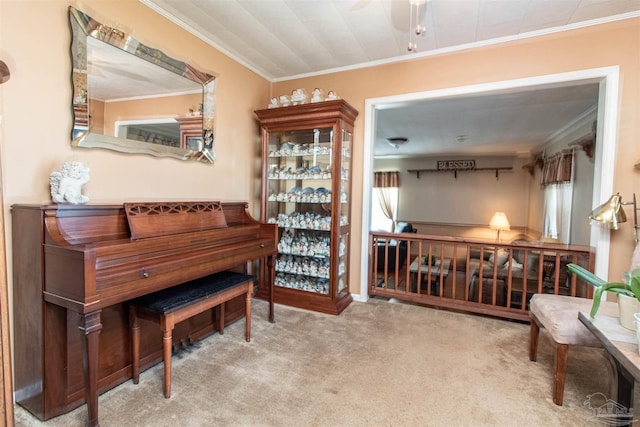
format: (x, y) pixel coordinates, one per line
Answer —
(606, 144)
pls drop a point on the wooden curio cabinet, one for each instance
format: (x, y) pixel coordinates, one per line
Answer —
(306, 190)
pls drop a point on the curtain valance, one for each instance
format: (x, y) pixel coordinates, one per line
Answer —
(557, 168)
(386, 179)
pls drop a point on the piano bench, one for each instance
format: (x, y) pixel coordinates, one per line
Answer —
(173, 305)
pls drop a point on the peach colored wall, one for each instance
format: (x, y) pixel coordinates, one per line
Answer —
(37, 115)
(616, 43)
(36, 112)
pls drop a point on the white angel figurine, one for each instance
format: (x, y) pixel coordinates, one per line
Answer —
(316, 95)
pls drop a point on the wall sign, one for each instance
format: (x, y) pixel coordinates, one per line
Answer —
(456, 165)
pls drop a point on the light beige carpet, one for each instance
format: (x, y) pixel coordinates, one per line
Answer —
(377, 364)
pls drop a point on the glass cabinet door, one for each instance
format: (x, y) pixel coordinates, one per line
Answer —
(306, 173)
(345, 207)
(299, 200)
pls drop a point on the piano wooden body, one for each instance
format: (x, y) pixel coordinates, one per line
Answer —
(76, 266)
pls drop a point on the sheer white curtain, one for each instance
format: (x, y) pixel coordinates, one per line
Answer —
(384, 207)
(557, 212)
(557, 179)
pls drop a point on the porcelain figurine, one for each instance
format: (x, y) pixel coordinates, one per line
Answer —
(316, 95)
(331, 96)
(298, 96)
(273, 103)
(285, 101)
(66, 185)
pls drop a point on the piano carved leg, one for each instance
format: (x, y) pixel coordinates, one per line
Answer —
(90, 327)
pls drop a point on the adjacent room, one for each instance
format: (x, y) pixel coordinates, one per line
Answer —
(319, 212)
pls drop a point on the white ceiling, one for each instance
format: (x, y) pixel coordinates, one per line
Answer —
(285, 39)
(507, 122)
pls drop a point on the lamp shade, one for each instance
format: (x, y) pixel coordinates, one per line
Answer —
(499, 222)
(610, 212)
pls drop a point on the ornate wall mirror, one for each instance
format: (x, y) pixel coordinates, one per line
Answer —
(132, 98)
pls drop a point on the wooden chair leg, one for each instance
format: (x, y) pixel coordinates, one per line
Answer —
(560, 372)
(135, 344)
(533, 340)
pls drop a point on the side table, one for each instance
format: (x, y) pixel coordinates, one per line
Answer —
(419, 272)
(622, 346)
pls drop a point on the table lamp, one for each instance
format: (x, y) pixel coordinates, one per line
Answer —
(500, 223)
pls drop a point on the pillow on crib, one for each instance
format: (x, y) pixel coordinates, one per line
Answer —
(501, 258)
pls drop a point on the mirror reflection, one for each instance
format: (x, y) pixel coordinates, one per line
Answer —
(132, 98)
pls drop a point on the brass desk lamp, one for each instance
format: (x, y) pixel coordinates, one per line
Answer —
(611, 213)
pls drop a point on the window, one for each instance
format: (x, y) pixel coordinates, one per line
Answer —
(380, 221)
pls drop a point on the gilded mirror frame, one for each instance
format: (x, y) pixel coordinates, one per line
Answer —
(197, 144)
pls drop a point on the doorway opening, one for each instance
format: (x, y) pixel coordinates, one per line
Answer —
(607, 79)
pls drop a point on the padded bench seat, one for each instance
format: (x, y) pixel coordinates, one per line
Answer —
(173, 305)
(558, 314)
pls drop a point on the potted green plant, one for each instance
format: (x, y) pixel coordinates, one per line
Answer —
(631, 289)
(429, 260)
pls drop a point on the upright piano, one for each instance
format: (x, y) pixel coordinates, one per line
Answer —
(76, 266)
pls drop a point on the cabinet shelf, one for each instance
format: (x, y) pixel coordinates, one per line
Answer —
(303, 228)
(327, 155)
(306, 203)
(299, 178)
(307, 146)
(304, 255)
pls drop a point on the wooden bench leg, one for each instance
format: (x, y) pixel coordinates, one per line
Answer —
(166, 325)
(168, 319)
(221, 319)
(247, 317)
(533, 340)
(135, 344)
(560, 362)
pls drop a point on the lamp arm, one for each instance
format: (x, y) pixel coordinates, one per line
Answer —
(635, 210)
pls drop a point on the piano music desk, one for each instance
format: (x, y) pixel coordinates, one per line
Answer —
(173, 305)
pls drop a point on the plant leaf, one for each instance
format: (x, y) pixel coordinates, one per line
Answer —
(597, 296)
(586, 275)
(635, 286)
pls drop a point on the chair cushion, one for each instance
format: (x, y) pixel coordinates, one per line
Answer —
(559, 315)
